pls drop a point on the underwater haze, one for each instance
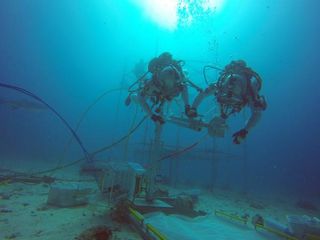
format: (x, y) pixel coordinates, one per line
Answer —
(70, 52)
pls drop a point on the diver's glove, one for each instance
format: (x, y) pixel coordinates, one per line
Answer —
(239, 136)
(157, 118)
(190, 111)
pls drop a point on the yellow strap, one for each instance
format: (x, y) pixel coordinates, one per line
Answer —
(231, 216)
(138, 216)
(156, 232)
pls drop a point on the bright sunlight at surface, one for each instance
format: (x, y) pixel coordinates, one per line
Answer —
(170, 14)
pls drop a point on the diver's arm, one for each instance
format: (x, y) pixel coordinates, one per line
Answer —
(191, 112)
(256, 112)
(185, 83)
(141, 99)
(255, 105)
(188, 81)
(239, 136)
(254, 118)
(203, 95)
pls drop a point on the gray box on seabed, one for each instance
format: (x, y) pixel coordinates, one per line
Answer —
(120, 178)
(68, 195)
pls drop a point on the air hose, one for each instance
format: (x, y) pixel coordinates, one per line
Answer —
(136, 82)
(120, 139)
(98, 151)
(83, 115)
(30, 94)
(183, 150)
(205, 71)
(87, 156)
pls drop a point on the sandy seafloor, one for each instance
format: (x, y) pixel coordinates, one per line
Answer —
(25, 215)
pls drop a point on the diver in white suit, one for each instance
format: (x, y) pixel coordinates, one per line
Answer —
(167, 81)
(237, 87)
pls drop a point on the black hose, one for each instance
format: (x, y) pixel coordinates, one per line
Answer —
(26, 92)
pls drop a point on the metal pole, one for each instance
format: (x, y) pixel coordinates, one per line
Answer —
(154, 163)
(214, 165)
(245, 168)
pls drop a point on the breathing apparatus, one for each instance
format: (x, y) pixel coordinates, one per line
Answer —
(231, 73)
(140, 82)
(156, 67)
(153, 67)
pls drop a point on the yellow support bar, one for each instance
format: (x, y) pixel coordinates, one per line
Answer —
(138, 216)
(271, 230)
(156, 232)
(231, 216)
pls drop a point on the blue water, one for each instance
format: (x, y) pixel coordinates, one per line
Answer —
(70, 52)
